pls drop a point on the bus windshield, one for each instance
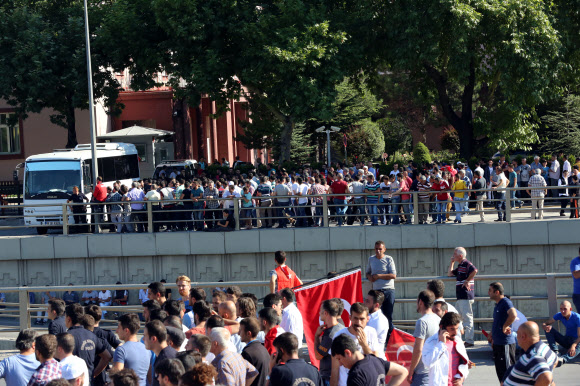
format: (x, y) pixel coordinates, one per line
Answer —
(51, 179)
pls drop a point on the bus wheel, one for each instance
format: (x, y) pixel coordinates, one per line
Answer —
(41, 230)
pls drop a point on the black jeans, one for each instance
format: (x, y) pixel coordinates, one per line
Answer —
(576, 301)
(387, 309)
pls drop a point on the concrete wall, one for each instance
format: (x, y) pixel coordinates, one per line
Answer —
(423, 250)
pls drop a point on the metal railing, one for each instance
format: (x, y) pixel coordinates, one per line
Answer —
(24, 308)
(318, 210)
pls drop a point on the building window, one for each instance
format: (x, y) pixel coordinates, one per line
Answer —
(9, 134)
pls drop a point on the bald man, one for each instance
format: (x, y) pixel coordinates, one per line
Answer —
(570, 320)
(227, 310)
(536, 364)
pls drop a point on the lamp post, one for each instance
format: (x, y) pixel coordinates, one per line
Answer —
(91, 100)
(328, 129)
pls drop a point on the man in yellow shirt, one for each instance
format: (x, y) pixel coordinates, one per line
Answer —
(459, 197)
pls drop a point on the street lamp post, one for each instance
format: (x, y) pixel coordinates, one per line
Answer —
(91, 100)
(328, 129)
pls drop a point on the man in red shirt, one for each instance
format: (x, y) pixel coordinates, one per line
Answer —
(270, 324)
(99, 196)
(441, 186)
(339, 187)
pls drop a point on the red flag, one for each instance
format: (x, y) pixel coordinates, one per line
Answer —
(344, 139)
(346, 286)
(400, 349)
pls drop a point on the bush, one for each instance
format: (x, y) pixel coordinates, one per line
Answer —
(212, 169)
(421, 155)
(444, 156)
(473, 161)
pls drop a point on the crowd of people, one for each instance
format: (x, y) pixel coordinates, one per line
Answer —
(225, 339)
(281, 198)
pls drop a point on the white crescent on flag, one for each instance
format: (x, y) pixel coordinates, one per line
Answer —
(404, 348)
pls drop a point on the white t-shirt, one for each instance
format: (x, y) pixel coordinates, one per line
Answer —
(303, 189)
(372, 341)
(227, 194)
(104, 295)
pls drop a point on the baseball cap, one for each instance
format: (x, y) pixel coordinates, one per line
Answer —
(73, 369)
(231, 183)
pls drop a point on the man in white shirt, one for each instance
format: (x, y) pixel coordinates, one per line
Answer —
(291, 317)
(64, 353)
(365, 337)
(230, 192)
(104, 300)
(499, 191)
(377, 320)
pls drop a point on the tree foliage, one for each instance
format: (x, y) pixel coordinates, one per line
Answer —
(450, 140)
(484, 58)
(43, 62)
(421, 154)
(365, 142)
(397, 134)
(561, 131)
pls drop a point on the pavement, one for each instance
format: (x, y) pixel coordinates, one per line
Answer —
(551, 212)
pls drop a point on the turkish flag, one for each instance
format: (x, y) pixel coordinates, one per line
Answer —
(346, 286)
(400, 349)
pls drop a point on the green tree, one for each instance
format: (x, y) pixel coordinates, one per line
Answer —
(421, 154)
(450, 140)
(493, 60)
(365, 141)
(288, 55)
(43, 63)
(561, 131)
(397, 134)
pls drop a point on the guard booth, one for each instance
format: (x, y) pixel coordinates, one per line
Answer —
(153, 145)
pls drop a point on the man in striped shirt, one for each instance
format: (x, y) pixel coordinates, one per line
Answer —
(536, 364)
(373, 187)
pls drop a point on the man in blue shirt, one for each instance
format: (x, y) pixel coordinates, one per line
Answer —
(575, 270)
(18, 369)
(570, 320)
(502, 341)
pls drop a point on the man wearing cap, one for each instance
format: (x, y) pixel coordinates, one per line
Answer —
(73, 367)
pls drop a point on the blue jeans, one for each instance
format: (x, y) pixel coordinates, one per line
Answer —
(458, 202)
(318, 218)
(407, 209)
(387, 309)
(373, 212)
(340, 209)
(554, 339)
(359, 209)
(395, 202)
(441, 208)
(301, 220)
(500, 205)
(198, 217)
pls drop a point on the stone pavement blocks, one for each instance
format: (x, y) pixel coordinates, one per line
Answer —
(172, 243)
(419, 236)
(347, 238)
(207, 243)
(137, 244)
(104, 245)
(529, 232)
(37, 247)
(10, 248)
(488, 234)
(311, 239)
(70, 247)
(563, 232)
(391, 235)
(451, 236)
(272, 240)
(242, 241)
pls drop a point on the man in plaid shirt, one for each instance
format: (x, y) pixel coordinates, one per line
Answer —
(232, 368)
(49, 368)
(536, 183)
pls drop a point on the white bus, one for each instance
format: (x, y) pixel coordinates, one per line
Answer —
(49, 178)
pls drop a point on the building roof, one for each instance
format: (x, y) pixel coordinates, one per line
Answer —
(136, 131)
